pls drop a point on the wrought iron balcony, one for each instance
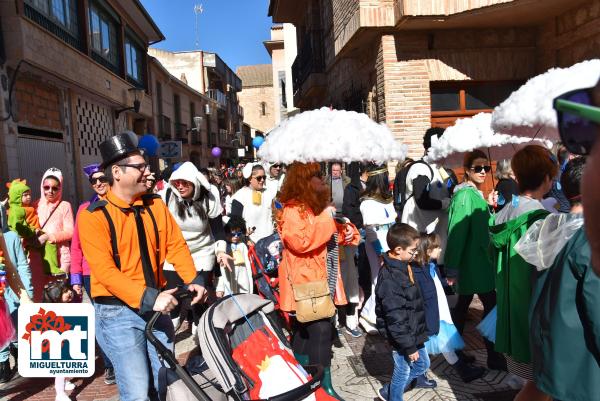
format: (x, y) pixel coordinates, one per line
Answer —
(310, 58)
(219, 96)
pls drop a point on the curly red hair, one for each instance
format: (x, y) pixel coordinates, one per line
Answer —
(297, 187)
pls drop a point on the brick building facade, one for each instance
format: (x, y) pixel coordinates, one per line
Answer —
(414, 64)
(65, 73)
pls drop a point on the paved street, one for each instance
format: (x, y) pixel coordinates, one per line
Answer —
(359, 367)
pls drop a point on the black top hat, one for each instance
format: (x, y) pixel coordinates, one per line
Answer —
(118, 147)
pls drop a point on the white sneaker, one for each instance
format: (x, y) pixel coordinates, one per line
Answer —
(62, 397)
(69, 386)
(515, 382)
(369, 328)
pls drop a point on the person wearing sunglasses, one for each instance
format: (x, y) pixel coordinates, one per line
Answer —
(274, 178)
(195, 206)
(126, 238)
(80, 269)
(253, 202)
(578, 115)
(468, 262)
(535, 169)
(56, 221)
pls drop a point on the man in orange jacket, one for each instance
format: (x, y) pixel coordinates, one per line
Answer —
(126, 238)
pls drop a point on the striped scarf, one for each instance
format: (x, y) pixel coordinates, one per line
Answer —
(332, 261)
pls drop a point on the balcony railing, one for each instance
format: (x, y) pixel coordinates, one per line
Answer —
(310, 58)
(164, 127)
(181, 132)
(219, 96)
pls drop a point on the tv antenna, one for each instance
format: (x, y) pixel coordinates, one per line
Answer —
(197, 11)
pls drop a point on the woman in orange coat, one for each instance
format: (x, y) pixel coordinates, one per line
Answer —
(306, 226)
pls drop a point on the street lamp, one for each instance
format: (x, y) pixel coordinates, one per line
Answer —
(138, 94)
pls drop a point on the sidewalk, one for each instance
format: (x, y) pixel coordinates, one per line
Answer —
(359, 367)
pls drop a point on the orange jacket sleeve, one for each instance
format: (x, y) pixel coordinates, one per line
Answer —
(94, 235)
(301, 235)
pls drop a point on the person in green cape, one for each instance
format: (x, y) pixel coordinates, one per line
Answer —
(468, 260)
(534, 168)
(565, 306)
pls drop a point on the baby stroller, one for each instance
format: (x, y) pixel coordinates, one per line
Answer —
(224, 331)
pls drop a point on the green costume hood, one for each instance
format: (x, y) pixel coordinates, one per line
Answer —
(16, 212)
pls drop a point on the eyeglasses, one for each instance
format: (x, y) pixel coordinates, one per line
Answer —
(479, 169)
(260, 177)
(181, 183)
(141, 167)
(102, 180)
(51, 188)
(578, 120)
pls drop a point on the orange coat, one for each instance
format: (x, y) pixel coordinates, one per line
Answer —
(305, 238)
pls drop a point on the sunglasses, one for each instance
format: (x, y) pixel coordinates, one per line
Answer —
(181, 183)
(276, 166)
(578, 120)
(260, 177)
(236, 234)
(102, 180)
(141, 167)
(479, 169)
(50, 188)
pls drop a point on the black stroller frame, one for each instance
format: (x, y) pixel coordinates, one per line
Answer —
(239, 387)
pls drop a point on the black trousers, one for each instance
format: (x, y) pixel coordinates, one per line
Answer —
(461, 309)
(173, 280)
(314, 339)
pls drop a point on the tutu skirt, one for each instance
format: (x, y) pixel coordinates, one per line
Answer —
(487, 327)
(446, 340)
(7, 329)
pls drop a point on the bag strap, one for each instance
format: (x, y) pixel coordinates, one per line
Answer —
(48, 219)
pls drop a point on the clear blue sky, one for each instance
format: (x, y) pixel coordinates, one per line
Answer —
(234, 29)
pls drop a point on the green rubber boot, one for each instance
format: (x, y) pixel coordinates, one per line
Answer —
(302, 359)
(328, 386)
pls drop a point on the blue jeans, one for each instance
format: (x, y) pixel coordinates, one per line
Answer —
(404, 373)
(120, 333)
(105, 358)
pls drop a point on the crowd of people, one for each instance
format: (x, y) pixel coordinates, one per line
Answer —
(403, 260)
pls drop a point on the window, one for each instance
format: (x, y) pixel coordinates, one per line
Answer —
(469, 97)
(159, 105)
(263, 109)
(57, 16)
(192, 114)
(134, 57)
(177, 109)
(103, 28)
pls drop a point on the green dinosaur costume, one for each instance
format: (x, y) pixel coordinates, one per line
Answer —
(17, 222)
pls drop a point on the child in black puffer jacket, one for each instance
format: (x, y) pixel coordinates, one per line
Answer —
(400, 311)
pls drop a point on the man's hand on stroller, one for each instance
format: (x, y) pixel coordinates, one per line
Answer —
(165, 302)
(200, 293)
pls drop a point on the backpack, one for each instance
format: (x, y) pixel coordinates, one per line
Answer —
(400, 197)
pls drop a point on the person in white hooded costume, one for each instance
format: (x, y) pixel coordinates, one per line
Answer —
(253, 203)
(427, 196)
(195, 205)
